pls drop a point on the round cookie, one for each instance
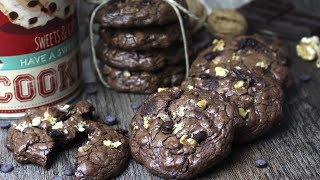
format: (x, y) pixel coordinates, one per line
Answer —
(33, 137)
(104, 156)
(258, 97)
(143, 82)
(137, 13)
(245, 51)
(142, 39)
(138, 61)
(178, 134)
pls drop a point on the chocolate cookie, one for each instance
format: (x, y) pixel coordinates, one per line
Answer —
(178, 134)
(143, 82)
(34, 136)
(137, 13)
(258, 97)
(269, 45)
(142, 39)
(104, 156)
(242, 51)
(138, 61)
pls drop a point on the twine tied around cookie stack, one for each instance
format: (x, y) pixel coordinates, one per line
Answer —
(177, 7)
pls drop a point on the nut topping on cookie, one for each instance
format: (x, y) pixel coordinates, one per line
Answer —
(22, 126)
(202, 104)
(112, 145)
(58, 125)
(177, 127)
(126, 74)
(221, 72)
(84, 148)
(238, 84)
(36, 121)
(162, 89)
(243, 113)
(218, 45)
(146, 123)
(185, 140)
(262, 64)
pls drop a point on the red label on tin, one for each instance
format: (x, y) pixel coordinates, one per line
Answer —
(39, 54)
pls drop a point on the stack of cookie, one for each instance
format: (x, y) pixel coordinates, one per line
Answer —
(140, 47)
(234, 95)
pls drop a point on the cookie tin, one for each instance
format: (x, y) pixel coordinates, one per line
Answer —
(39, 54)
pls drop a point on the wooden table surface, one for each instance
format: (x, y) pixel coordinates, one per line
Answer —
(292, 149)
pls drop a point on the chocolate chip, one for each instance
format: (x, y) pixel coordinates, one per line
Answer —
(167, 127)
(55, 133)
(305, 77)
(91, 88)
(200, 136)
(122, 131)
(260, 163)
(135, 105)
(204, 76)
(6, 168)
(110, 119)
(13, 15)
(33, 20)
(210, 84)
(68, 172)
(52, 7)
(5, 125)
(67, 10)
(247, 43)
(57, 178)
(33, 3)
(211, 55)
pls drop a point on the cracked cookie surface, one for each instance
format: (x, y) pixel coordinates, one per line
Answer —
(143, 82)
(105, 154)
(139, 61)
(33, 137)
(142, 39)
(178, 134)
(137, 13)
(259, 98)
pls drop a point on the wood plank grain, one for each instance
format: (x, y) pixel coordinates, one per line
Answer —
(292, 148)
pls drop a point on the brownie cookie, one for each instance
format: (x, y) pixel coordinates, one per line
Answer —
(258, 98)
(143, 82)
(248, 52)
(268, 45)
(104, 156)
(34, 136)
(178, 134)
(138, 61)
(142, 39)
(137, 13)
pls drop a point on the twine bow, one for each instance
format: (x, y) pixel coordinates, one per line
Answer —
(176, 6)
